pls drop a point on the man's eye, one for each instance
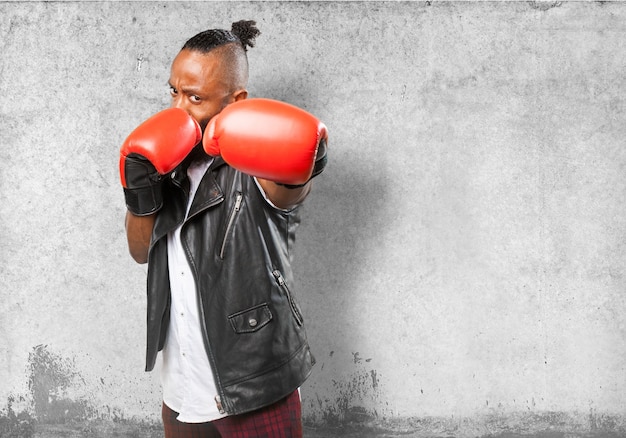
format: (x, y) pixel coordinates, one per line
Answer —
(195, 98)
(173, 91)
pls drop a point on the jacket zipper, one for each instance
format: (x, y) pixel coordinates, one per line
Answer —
(205, 335)
(283, 286)
(231, 220)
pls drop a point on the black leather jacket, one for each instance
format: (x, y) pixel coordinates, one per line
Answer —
(239, 250)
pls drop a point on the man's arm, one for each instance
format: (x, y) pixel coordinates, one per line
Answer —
(283, 197)
(152, 150)
(138, 233)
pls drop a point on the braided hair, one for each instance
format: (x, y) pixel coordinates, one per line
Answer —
(243, 32)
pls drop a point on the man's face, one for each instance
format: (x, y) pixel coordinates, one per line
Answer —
(199, 85)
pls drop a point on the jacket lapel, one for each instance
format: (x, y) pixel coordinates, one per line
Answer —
(209, 192)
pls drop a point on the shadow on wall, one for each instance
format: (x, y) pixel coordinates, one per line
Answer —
(336, 254)
(346, 217)
(337, 243)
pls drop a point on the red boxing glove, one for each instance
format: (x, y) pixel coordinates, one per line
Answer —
(154, 149)
(267, 139)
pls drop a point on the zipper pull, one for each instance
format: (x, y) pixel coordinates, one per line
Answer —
(218, 402)
(238, 201)
(279, 277)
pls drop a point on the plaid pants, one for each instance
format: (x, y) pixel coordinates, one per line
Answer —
(283, 419)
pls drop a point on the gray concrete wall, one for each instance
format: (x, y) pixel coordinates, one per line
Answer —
(461, 262)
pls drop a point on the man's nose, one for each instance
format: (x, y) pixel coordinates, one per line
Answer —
(177, 102)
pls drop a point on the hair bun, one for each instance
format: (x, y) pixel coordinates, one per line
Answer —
(246, 31)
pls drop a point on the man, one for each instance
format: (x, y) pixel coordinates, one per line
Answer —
(217, 232)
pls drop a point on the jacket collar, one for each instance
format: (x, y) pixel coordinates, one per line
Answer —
(209, 192)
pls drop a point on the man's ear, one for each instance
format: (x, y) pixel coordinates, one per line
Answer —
(240, 95)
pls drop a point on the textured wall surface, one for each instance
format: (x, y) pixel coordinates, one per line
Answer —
(461, 261)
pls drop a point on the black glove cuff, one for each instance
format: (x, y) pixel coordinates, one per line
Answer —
(318, 168)
(144, 201)
(143, 191)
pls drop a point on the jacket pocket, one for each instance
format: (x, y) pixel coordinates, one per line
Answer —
(285, 289)
(231, 223)
(250, 320)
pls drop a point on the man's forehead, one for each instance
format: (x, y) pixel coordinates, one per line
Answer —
(194, 60)
(196, 67)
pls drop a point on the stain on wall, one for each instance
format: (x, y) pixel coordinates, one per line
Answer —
(15, 424)
(51, 382)
(356, 398)
(57, 405)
